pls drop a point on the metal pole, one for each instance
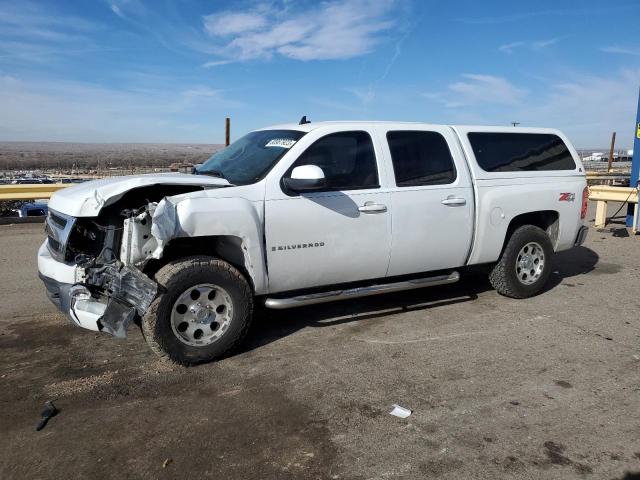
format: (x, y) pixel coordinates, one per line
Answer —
(635, 163)
(613, 144)
(227, 133)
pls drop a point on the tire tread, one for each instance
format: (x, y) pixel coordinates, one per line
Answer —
(164, 276)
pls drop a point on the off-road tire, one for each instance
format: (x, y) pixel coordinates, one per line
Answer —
(176, 277)
(503, 274)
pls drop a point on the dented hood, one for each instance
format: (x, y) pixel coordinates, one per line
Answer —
(87, 199)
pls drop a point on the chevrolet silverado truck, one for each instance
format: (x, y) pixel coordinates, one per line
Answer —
(300, 214)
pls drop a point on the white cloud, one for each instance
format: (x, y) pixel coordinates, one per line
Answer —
(587, 108)
(622, 50)
(228, 23)
(44, 109)
(483, 89)
(328, 30)
(540, 44)
(116, 9)
(217, 63)
(31, 32)
(537, 45)
(510, 47)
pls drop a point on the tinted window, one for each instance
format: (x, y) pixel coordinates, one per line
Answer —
(347, 159)
(420, 158)
(513, 152)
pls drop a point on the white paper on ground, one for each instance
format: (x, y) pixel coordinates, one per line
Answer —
(399, 411)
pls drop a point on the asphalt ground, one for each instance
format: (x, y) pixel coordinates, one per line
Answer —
(547, 387)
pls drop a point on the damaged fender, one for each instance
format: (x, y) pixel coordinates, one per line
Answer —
(180, 216)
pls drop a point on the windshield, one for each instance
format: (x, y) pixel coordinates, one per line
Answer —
(248, 159)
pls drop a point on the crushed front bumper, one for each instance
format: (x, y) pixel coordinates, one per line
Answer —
(75, 303)
(130, 293)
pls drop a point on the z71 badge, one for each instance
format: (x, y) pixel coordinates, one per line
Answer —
(567, 197)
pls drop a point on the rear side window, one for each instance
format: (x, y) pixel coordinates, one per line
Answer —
(420, 158)
(515, 152)
(346, 158)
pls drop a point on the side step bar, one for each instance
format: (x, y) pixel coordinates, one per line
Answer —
(322, 297)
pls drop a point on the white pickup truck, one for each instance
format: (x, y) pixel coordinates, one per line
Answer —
(305, 213)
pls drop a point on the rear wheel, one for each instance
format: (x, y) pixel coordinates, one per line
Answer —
(525, 264)
(203, 312)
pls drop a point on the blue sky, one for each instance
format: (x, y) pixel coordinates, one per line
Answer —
(162, 71)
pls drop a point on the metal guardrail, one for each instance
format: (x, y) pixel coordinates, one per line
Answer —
(30, 191)
(594, 178)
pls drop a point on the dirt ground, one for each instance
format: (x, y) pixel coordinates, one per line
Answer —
(547, 387)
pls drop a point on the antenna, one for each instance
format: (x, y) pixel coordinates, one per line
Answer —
(304, 120)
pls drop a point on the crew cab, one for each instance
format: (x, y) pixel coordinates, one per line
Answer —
(306, 213)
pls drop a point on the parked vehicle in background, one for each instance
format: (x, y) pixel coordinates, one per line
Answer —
(33, 209)
(301, 214)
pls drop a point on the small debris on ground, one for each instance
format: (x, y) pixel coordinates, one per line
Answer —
(167, 462)
(514, 402)
(49, 412)
(401, 412)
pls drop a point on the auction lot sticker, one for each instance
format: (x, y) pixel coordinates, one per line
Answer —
(281, 142)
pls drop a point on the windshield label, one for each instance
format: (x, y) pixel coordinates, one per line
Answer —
(281, 142)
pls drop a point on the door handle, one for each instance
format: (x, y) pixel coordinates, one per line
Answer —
(370, 207)
(454, 202)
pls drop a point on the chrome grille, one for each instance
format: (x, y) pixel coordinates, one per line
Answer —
(58, 228)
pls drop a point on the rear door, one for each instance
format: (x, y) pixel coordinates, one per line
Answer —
(432, 200)
(339, 234)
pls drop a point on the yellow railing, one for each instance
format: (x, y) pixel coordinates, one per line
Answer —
(606, 193)
(30, 191)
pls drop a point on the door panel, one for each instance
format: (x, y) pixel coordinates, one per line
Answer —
(427, 234)
(433, 214)
(320, 239)
(339, 235)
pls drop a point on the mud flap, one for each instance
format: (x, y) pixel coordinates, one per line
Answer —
(130, 292)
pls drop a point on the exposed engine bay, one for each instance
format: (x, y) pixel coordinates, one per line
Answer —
(111, 251)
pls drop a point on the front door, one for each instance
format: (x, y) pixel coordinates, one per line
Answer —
(336, 235)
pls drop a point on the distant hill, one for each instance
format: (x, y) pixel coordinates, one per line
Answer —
(62, 155)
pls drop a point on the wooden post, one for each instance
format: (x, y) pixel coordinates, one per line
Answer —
(613, 144)
(227, 131)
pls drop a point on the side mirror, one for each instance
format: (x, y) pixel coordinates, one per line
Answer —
(305, 178)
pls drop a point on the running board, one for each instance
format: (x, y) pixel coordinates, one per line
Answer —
(322, 297)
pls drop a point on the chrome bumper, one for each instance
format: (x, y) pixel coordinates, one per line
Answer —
(70, 298)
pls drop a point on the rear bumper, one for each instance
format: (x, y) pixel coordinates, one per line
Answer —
(582, 235)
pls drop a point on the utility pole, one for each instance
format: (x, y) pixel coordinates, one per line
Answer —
(227, 132)
(515, 124)
(613, 144)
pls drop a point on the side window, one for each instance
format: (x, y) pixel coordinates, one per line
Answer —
(420, 158)
(514, 152)
(347, 159)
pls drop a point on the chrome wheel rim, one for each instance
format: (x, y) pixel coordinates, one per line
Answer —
(201, 314)
(530, 263)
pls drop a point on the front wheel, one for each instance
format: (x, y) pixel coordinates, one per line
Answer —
(202, 313)
(525, 264)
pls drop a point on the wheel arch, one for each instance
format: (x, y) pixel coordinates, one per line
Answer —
(230, 229)
(547, 220)
(225, 247)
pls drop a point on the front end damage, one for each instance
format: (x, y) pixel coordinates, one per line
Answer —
(102, 262)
